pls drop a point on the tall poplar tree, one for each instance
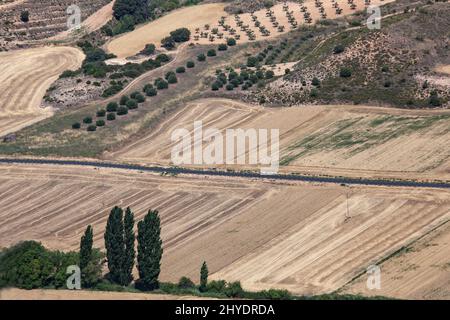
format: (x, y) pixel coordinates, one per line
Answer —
(130, 253)
(115, 246)
(203, 277)
(86, 248)
(149, 251)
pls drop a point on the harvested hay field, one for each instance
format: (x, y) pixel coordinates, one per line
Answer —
(268, 235)
(48, 294)
(420, 271)
(201, 20)
(26, 75)
(338, 140)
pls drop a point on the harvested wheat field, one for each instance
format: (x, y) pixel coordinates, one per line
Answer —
(39, 294)
(421, 271)
(25, 76)
(296, 236)
(338, 140)
(209, 23)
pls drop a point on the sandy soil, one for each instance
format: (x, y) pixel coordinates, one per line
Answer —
(422, 272)
(198, 16)
(24, 79)
(390, 148)
(17, 294)
(296, 236)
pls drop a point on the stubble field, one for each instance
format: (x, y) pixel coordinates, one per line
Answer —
(336, 140)
(25, 77)
(307, 238)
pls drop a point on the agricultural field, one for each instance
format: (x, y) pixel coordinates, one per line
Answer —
(87, 123)
(210, 24)
(355, 140)
(24, 80)
(309, 239)
(418, 271)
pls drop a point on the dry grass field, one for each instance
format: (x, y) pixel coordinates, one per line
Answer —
(422, 271)
(296, 236)
(202, 19)
(340, 140)
(26, 75)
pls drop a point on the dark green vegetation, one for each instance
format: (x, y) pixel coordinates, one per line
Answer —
(28, 265)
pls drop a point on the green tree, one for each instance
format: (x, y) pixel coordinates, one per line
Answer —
(114, 244)
(86, 248)
(149, 251)
(203, 277)
(130, 253)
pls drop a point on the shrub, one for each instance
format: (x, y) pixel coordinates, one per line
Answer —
(434, 100)
(338, 49)
(139, 98)
(87, 120)
(134, 94)
(162, 58)
(181, 70)
(122, 111)
(314, 93)
(132, 104)
(101, 113)
(168, 43)
(315, 82)
(215, 86)
(230, 87)
(180, 35)
(287, 71)
(201, 57)
(161, 84)
(260, 74)
(172, 79)
(234, 290)
(92, 128)
(185, 283)
(231, 42)
(147, 86)
(151, 92)
(190, 64)
(387, 84)
(222, 47)
(76, 125)
(111, 117)
(217, 286)
(384, 69)
(149, 49)
(112, 107)
(345, 73)
(123, 100)
(252, 62)
(269, 74)
(100, 123)
(25, 16)
(211, 53)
